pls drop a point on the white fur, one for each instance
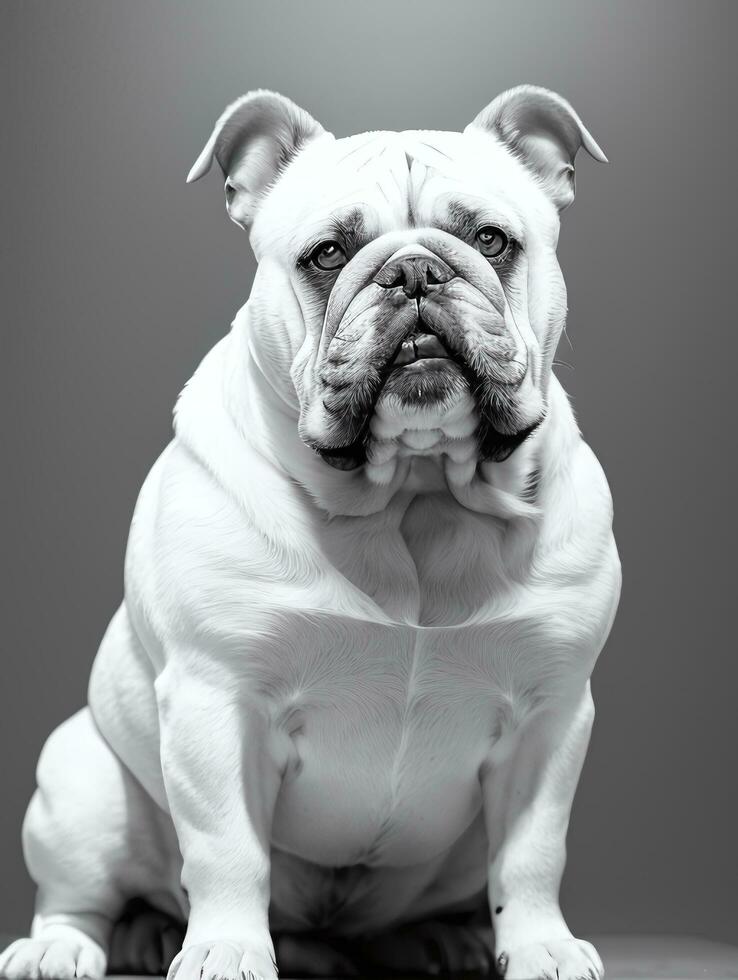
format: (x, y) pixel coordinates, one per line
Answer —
(314, 669)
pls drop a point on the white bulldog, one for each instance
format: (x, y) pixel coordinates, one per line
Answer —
(347, 694)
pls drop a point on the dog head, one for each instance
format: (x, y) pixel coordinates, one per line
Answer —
(408, 292)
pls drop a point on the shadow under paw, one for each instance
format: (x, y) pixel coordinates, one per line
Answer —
(145, 940)
(432, 948)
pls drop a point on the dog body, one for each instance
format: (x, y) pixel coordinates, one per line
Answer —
(366, 583)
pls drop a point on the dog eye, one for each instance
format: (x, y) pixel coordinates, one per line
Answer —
(328, 255)
(493, 242)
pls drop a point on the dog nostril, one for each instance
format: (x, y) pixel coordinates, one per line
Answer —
(413, 276)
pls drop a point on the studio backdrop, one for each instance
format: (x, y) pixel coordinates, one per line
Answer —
(118, 278)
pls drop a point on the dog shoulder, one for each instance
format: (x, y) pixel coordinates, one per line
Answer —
(200, 555)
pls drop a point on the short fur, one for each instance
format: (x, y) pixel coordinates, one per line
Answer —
(348, 686)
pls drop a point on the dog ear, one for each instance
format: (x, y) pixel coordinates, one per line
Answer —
(254, 139)
(543, 130)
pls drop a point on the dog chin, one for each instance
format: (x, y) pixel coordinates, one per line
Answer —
(425, 412)
(424, 409)
(428, 382)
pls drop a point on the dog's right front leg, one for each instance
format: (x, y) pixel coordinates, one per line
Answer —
(222, 783)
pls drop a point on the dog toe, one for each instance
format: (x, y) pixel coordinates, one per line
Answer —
(52, 959)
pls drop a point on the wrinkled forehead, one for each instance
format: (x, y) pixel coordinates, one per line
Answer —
(388, 181)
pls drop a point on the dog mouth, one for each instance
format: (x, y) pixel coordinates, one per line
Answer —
(424, 370)
(421, 345)
(420, 370)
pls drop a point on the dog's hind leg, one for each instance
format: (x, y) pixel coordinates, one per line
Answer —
(92, 839)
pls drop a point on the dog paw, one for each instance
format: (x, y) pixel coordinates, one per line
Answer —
(52, 959)
(560, 959)
(221, 960)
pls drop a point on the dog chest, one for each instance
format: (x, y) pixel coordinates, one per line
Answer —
(388, 725)
(390, 720)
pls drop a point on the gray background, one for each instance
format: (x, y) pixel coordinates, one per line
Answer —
(118, 279)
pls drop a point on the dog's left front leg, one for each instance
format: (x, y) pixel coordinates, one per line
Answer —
(528, 796)
(222, 780)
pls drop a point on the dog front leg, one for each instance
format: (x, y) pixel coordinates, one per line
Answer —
(527, 802)
(222, 782)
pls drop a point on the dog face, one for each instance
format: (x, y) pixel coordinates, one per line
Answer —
(408, 291)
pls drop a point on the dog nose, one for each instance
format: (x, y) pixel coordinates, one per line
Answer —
(414, 269)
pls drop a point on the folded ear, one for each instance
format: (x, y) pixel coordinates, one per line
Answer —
(254, 139)
(544, 131)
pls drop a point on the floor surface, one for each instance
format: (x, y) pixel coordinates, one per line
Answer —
(652, 958)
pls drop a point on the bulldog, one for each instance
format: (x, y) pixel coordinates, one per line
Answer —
(346, 697)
